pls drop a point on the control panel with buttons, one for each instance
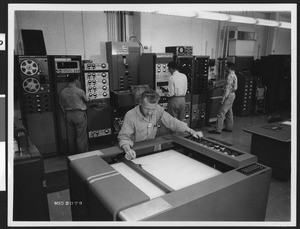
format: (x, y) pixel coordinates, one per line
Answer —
(99, 133)
(215, 146)
(37, 103)
(198, 115)
(123, 59)
(96, 78)
(200, 75)
(243, 104)
(154, 71)
(95, 67)
(97, 85)
(186, 118)
(162, 75)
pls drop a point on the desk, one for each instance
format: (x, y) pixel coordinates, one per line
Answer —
(271, 143)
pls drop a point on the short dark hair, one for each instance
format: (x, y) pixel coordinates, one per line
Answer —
(172, 65)
(151, 95)
(72, 78)
(231, 65)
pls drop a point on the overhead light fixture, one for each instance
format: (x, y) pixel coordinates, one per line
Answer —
(212, 16)
(285, 25)
(267, 22)
(178, 13)
(240, 19)
(226, 17)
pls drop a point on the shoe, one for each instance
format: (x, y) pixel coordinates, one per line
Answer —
(213, 132)
(226, 130)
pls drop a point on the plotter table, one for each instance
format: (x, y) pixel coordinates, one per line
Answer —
(176, 179)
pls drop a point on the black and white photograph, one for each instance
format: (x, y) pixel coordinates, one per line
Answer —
(136, 115)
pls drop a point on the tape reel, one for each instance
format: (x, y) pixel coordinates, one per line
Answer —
(181, 50)
(29, 67)
(31, 85)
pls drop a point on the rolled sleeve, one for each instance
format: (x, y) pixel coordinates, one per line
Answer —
(173, 123)
(126, 132)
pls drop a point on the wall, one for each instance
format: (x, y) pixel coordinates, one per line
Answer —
(65, 33)
(280, 41)
(270, 40)
(283, 44)
(81, 33)
(259, 46)
(160, 31)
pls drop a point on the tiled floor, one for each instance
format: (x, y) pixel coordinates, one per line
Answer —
(278, 208)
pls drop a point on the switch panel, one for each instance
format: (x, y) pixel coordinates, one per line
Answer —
(215, 146)
(97, 85)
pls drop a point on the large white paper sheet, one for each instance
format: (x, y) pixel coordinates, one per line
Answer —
(175, 169)
(171, 167)
(138, 180)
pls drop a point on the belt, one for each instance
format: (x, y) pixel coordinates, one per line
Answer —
(179, 96)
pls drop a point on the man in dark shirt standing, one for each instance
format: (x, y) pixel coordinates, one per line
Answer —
(73, 103)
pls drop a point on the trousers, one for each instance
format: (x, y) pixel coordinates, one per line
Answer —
(77, 131)
(225, 115)
(176, 107)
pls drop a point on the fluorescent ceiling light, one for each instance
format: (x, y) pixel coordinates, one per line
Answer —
(240, 19)
(226, 17)
(285, 25)
(212, 16)
(178, 13)
(267, 22)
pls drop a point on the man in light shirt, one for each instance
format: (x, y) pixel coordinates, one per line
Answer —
(177, 89)
(141, 123)
(225, 115)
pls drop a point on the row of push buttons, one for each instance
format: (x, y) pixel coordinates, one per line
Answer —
(122, 80)
(37, 103)
(215, 147)
(96, 75)
(93, 66)
(99, 133)
(162, 70)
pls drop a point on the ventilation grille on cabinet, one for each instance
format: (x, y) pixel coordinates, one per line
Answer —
(251, 169)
